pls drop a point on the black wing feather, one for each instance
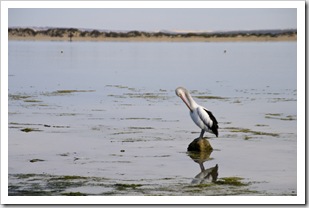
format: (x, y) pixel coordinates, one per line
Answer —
(214, 126)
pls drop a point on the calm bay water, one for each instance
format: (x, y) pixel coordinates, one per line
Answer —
(107, 111)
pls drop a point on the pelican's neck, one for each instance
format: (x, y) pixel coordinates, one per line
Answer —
(191, 102)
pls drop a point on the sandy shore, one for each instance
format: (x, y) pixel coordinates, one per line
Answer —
(40, 37)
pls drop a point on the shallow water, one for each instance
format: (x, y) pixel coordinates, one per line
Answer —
(102, 118)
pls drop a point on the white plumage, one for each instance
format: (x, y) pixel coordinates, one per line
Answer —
(201, 116)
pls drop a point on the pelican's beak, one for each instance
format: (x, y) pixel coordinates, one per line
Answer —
(185, 101)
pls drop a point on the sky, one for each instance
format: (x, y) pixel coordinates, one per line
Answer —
(199, 19)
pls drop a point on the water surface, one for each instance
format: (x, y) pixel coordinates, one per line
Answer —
(102, 118)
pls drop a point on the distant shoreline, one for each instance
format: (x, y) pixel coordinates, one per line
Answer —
(71, 34)
(146, 39)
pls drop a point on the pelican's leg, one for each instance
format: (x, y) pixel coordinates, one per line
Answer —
(201, 166)
(202, 133)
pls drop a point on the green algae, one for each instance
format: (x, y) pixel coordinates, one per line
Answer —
(64, 92)
(202, 185)
(32, 101)
(27, 130)
(31, 129)
(275, 100)
(127, 132)
(247, 137)
(69, 177)
(225, 186)
(148, 96)
(67, 114)
(232, 181)
(245, 130)
(280, 116)
(134, 140)
(74, 194)
(25, 176)
(75, 185)
(273, 114)
(122, 87)
(137, 127)
(261, 125)
(71, 91)
(36, 160)
(122, 186)
(209, 97)
(18, 96)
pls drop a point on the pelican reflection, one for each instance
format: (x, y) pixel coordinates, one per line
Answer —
(206, 175)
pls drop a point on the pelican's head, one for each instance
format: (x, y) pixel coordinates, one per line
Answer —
(183, 94)
(180, 91)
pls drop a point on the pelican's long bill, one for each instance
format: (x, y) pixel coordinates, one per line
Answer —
(184, 99)
(182, 93)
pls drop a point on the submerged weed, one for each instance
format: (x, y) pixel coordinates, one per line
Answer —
(232, 181)
(29, 130)
(121, 186)
(122, 87)
(202, 185)
(209, 97)
(66, 114)
(289, 118)
(245, 130)
(25, 176)
(148, 96)
(64, 92)
(279, 116)
(74, 194)
(71, 91)
(135, 127)
(32, 101)
(67, 181)
(69, 177)
(36, 160)
(261, 125)
(273, 114)
(274, 100)
(247, 137)
(133, 140)
(18, 96)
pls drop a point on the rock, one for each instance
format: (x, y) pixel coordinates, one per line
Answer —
(200, 145)
(199, 157)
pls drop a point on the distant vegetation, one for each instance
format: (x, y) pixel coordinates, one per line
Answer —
(73, 32)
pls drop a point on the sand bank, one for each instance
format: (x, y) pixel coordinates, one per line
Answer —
(157, 39)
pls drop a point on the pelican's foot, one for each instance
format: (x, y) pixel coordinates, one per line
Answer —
(202, 138)
(200, 145)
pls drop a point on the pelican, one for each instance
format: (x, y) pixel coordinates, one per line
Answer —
(201, 116)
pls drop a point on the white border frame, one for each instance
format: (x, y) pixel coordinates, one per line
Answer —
(299, 199)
